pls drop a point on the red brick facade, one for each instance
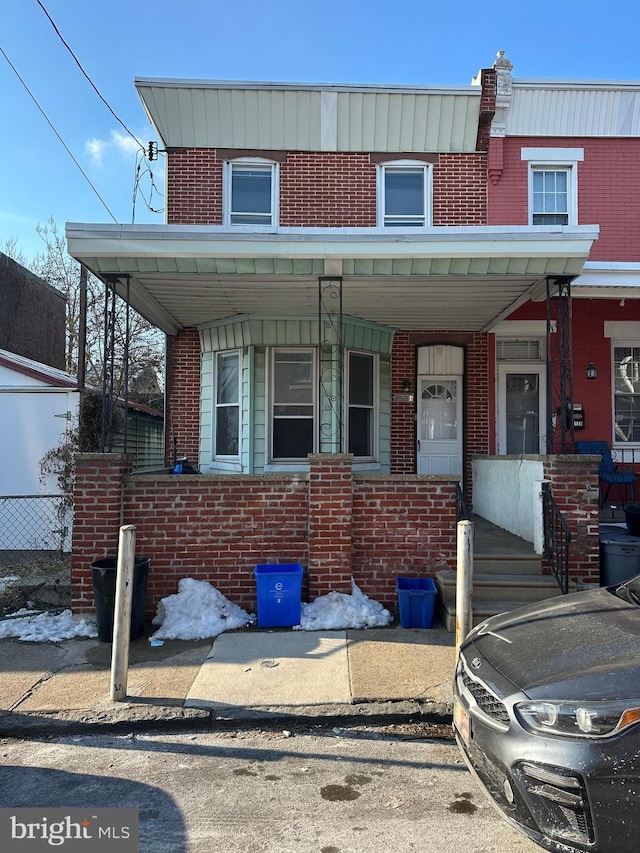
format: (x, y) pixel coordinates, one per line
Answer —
(324, 190)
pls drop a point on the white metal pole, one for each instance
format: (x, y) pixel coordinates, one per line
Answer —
(464, 582)
(122, 612)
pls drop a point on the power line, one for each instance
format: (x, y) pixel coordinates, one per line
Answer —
(66, 147)
(95, 88)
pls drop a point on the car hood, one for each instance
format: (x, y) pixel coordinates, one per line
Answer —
(580, 646)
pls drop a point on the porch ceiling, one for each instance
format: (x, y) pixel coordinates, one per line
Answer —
(443, 278)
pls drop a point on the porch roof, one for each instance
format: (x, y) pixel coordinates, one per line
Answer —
(454, 278)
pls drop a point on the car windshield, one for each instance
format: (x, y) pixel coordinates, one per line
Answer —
(630, 590)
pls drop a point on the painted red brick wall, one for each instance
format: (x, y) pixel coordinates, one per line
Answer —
(324, 189)
(608, 189)
(218, 528)
(182, 422)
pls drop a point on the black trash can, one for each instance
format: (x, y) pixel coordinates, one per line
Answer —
(104, 589)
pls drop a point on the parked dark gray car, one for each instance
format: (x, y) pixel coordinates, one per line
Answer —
(547, 716)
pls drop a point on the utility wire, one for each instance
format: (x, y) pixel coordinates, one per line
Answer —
(98, 93)
(66, 147)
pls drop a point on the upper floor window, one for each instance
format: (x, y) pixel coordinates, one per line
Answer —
(553, 187)
(227, 404)
(404, 194)
(251, 192)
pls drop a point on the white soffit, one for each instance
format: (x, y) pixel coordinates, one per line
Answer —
(311, 117)
(553, 108)
(441, 278)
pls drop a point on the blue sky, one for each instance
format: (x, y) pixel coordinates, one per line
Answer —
(336, 41)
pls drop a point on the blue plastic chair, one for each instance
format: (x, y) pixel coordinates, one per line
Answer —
(607, 470)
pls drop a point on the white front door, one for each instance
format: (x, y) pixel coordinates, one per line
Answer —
(521, 409)
(440, 425)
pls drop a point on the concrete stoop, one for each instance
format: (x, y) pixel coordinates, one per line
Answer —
(500, 584)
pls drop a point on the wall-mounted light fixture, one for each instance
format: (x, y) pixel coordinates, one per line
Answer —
(406, 385)
(592, 373)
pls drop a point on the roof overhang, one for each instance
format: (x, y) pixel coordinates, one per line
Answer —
(454, 278)
(608, 280)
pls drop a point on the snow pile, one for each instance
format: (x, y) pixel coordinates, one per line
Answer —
(46, 627)
(339, 610)
(197, 611)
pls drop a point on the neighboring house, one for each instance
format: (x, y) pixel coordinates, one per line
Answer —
(38, 404)
(567, 153)
(331, 277)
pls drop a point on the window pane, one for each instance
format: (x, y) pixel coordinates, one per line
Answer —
(550, 197)
(292, 438)
(360, 380)
(228, 378)
(404, 196)
(626, 381)
(251, 190)
(360, 432)
(293, 372)
(227, 431)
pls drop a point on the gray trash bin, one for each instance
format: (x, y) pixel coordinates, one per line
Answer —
(619, 555)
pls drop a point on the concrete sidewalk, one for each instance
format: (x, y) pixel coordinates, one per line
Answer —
(241, 675)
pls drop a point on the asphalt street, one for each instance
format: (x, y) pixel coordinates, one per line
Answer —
(338, 790)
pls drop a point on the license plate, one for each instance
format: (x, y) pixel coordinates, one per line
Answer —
(462, 722)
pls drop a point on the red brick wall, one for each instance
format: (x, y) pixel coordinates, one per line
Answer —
(324, 189)
(574, 485)
(182, 423)
(218, 528)
(608, 188)
(401, 526)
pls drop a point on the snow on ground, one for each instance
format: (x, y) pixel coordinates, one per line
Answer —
(46, 627)
(199, 611)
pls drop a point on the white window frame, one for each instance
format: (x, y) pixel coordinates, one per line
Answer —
(427, 170)
(374, 407)
(216, 406)
(263, 163)
(618, 441)
(555, 160)
(272, 462)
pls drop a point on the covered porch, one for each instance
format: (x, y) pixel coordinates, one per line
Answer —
(401, 298)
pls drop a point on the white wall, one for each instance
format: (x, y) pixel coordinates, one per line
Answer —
(29, 427)
(506, 491)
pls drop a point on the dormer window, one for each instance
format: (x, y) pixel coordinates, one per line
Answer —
(404, 194)
(251, 192)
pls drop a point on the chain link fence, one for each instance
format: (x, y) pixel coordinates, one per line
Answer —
(35, 552)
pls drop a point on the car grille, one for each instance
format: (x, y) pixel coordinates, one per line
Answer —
(486, 701)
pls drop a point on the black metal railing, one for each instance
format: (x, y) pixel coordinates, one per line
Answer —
(463, 513)
(557, 538)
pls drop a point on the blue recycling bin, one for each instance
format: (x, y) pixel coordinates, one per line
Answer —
(279, 588)
(416, 601)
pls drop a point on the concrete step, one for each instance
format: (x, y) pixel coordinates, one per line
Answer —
(498, 564)
(493, 593)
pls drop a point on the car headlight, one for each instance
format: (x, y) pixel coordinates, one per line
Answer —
(578, 719)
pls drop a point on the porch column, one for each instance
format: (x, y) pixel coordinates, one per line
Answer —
(97, 516)
(574, 484)
(330, 523)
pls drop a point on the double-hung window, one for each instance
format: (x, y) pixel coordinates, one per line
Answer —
(553, 185)
(404, 194)
(227, 405)
(361, 405)
(251, 192)
(293, 406)
(626, 393)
